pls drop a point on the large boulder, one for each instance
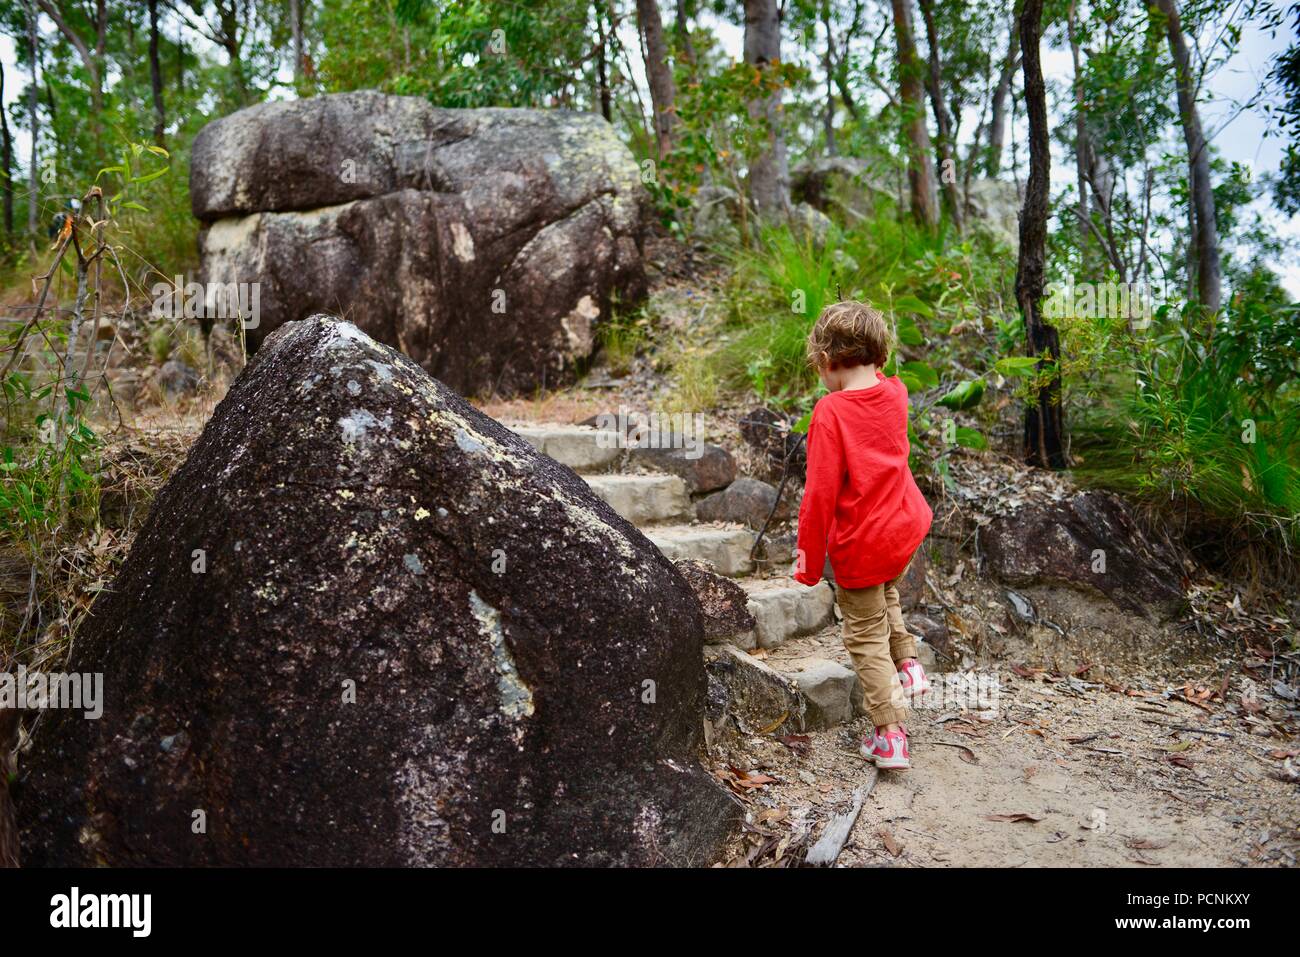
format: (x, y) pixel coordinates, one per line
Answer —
(9, 722)
(995, 204)
(365, 624)
(1092, 542)
(843, 186)
(486, 244)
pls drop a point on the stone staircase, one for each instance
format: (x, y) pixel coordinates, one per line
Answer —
(789, 673)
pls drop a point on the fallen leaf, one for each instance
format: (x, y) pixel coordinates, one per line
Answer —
(799, 743)
(1011, 818)
(891, 845)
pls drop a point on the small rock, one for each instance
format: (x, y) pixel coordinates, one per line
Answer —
(712, 468)
(827, 688)
(176, 379)
(933, 632)
(723, 602)
(769, 433)
(746, 501)
(756, 697)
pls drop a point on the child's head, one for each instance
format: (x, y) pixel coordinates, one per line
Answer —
(847, 335)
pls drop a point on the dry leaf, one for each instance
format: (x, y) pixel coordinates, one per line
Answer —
(891, 845)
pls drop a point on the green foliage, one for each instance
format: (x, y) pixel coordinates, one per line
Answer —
(1210, 414)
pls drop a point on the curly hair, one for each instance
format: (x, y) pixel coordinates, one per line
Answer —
(849, 334)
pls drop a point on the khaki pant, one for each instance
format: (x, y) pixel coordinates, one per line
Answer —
(876, 640)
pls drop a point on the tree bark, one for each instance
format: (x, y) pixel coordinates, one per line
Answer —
(683, 27)
(155, 76)
(92, 60)
(828, 65)
(658, 72)
(295, 23)
(8, 145)
(602, 65)
(769, 172)
(942, 120)
(998, 118)
(920, 164)
(1205, 229)
(34, 119)
(1044, 421)
(1082, 148)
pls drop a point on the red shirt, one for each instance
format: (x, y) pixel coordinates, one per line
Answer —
(860, 502)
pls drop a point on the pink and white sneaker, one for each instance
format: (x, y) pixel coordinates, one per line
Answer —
(912, 677)
(888, 750)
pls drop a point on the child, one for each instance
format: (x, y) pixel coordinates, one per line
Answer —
(862, 505)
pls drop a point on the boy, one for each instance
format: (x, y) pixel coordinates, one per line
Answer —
(862, 505)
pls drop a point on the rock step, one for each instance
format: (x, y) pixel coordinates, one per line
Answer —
(644, 499)
(784, 609)
(726, 547)
(809, 686)
(581, 448)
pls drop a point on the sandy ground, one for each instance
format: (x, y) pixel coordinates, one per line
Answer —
(1061, 773)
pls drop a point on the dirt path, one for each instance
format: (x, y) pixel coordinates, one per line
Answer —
(1109, 780)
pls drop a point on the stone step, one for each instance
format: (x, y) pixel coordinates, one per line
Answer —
(726, 547)
(581, 448)
(644, 499)
(784, 609)
(808, 689)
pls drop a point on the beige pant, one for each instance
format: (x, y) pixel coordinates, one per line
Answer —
(876, 640)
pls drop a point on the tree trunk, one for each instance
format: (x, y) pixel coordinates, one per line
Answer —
(998, 120)
(155, 76)
(1082, 148)
(658, 72)
(602, 65)
(8, 146)
(942, 120)
(1044, 421)
(295, 22)
(769, 172)
(1205, 229)
(683, 28)
(920, 164)
(828, 64)
(92, 60)
(34, 119)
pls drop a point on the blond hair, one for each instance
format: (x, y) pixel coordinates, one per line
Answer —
(849, 334)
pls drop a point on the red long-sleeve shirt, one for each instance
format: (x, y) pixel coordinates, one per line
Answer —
(860, 502)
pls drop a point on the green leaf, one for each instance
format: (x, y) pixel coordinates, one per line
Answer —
(1016, 365)
(154, 175)
(908, 333)
(910, 303)
(801, 426)
(923, 372)
(971, 438)
(967, 395)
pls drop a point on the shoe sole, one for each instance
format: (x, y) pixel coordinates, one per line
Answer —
(893, 764)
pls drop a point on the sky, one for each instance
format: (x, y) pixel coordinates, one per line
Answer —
(1238, 135)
